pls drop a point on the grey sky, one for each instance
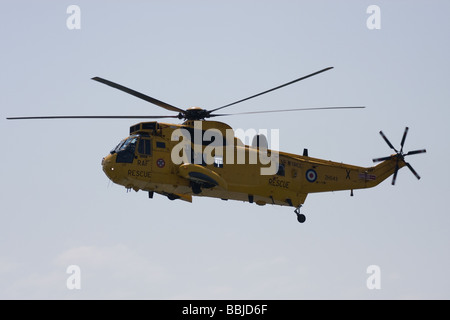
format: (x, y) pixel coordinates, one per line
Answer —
(58, 208)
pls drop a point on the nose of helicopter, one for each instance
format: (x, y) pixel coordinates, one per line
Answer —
(108, 166)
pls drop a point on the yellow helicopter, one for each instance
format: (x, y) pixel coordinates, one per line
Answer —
(201, 157)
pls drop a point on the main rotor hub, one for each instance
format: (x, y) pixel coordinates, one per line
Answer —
(194, 113)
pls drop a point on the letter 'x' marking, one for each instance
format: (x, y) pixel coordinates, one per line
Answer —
(348, 174)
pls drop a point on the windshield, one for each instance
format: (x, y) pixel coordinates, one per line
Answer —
(129, 144)
(126, 144)
(117, 148)
(125, 150)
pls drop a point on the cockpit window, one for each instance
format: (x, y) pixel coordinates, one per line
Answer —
(128, 144)
(125, 150)
(125, 144)
(117, 148)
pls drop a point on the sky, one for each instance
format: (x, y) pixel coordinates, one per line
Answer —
(58, 209)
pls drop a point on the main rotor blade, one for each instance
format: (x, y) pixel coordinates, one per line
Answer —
(286, 110)
(388, 142)
(91, 117)
(416, 152)
(412, 170)
(139, 95)
(273, 89)
(403, 139)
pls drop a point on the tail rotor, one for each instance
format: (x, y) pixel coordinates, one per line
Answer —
(399, 155)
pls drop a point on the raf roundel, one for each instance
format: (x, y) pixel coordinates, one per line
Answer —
(311, 175)
(160, 163)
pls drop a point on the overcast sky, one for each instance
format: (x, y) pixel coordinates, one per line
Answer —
(59, 209)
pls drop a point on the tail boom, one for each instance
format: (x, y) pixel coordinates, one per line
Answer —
(333, 176)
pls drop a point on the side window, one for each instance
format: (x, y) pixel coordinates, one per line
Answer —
(144, 146)
(281, 170)
(218, 162)
(160, 144)
(141, 146)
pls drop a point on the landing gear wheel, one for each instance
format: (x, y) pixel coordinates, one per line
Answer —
(300, 217)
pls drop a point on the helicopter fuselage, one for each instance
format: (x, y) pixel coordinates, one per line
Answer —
(149, 160)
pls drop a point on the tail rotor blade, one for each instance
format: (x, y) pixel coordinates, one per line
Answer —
(416, 152)
(388, 142)
(412, 170)
(381, 159)
(395, 176)
(395, 172)
(403, 139)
